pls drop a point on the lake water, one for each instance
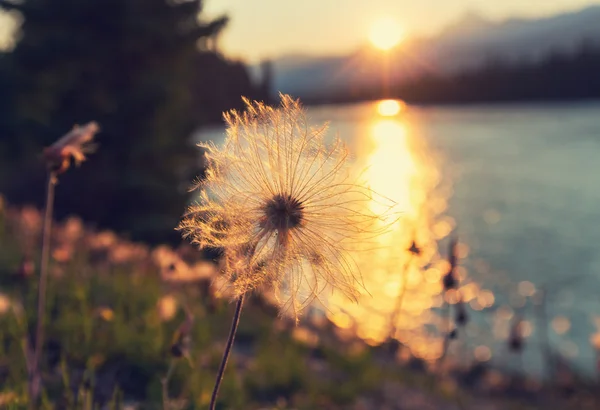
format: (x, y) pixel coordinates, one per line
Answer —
(519, 185)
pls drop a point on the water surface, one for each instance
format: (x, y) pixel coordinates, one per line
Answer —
(519, 186)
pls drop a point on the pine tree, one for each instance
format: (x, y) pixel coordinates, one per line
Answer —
(137, 68)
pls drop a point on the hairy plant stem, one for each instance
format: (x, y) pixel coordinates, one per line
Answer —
(447, 337)
(34, 371)
(230, 340)
(400, 300)
(165, 385)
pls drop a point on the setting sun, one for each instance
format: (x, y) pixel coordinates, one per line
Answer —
(385, 33)
(389, 108)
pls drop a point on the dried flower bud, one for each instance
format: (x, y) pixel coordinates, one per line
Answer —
(461, 314)
(449, 280)
(453, 334)
(414, 249)
(72, 146)
(515, 338)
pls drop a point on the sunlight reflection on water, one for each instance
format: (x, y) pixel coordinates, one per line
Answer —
(525, 210)
(401, 288)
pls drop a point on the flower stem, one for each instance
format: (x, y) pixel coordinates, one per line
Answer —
(446, 341)
(230, 339)
(400, 300)
(165, 385)
(34, 376)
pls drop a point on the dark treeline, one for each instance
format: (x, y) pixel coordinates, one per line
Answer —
(559, 76)
(147, 71)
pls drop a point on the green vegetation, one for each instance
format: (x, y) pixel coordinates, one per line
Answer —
(108, 341)
(109, 333)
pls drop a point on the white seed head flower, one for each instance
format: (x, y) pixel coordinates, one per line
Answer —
(284, 207)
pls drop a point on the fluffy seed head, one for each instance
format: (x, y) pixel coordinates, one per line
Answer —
(284, 207)
(283, 212)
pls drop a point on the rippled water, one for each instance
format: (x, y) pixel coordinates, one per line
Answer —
(519, 186)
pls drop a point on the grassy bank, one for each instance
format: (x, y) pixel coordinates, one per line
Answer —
(113, 311)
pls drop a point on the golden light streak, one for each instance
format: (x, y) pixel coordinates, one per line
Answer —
(401, 168)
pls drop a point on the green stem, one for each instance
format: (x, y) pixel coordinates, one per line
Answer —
(230, 340)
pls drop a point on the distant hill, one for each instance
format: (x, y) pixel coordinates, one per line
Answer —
(470, 42)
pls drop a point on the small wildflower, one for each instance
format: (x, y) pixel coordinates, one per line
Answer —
(105, 313)
(102, 240)
(71, 147)
(30, 221)
(283, 206)
(167, 307)
(5, 303)
(127, 252)
(26, 268)
(9, 398)
(71, 231)
(62, 253)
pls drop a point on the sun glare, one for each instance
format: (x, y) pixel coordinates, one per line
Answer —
(400, 168)
(389, 108)
(385, 33)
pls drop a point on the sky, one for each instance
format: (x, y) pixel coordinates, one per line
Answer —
(260, 29)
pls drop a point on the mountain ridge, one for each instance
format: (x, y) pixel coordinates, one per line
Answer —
(465, 44)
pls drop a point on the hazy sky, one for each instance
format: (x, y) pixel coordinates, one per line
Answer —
(267, 28)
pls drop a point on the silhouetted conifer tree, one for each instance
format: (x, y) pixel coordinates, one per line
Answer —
(141, 69)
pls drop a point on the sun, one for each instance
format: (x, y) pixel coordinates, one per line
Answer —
(385, 33)
(389, 108)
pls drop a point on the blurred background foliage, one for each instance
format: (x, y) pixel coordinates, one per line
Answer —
(148, 71)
